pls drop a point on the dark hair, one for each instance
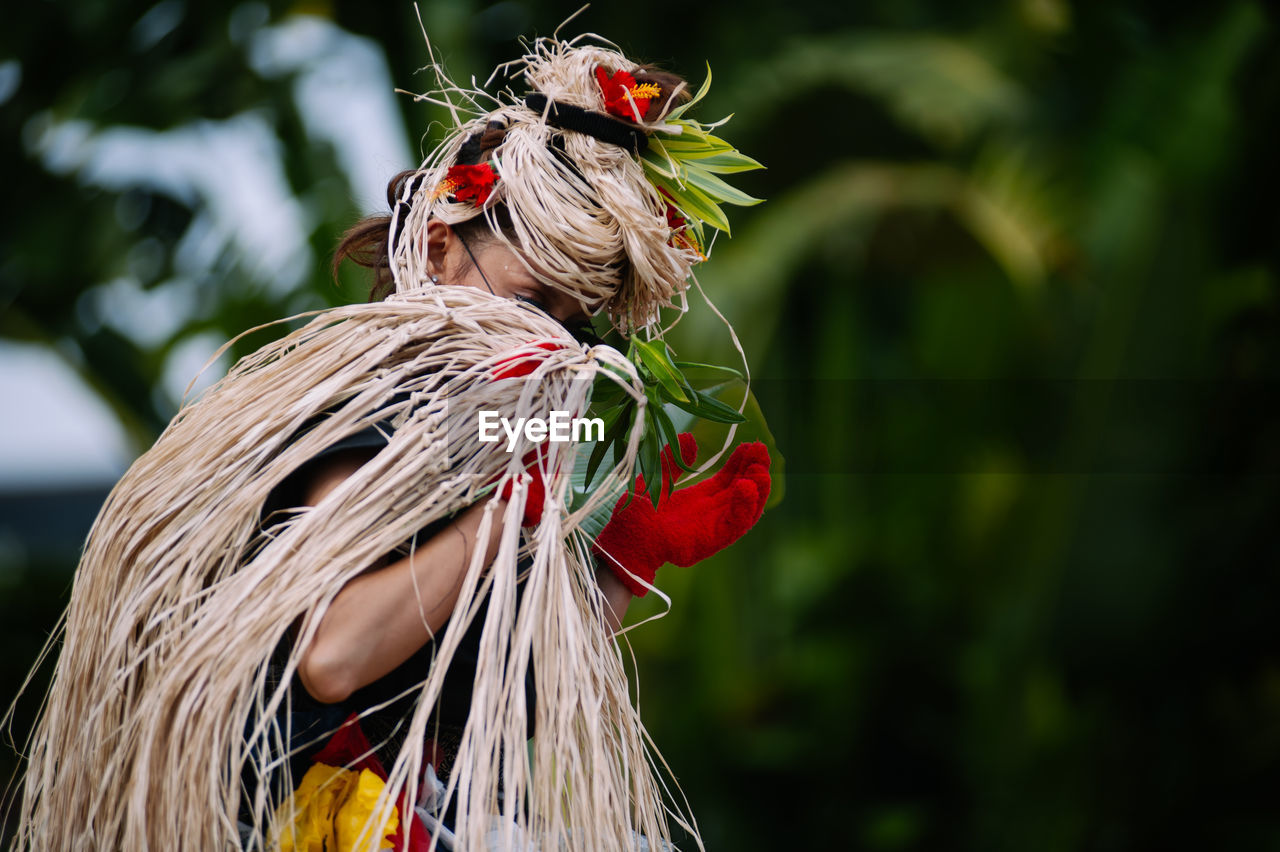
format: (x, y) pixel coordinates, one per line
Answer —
(367, 243)
(669, 84)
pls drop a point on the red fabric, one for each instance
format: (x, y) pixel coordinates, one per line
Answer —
(687, 525)
(518, 366)
(349, 747)
(524, 364)
(537, 488)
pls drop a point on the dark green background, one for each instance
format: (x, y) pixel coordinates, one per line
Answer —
(1012, 310)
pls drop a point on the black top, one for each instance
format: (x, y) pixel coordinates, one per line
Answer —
(310, 722)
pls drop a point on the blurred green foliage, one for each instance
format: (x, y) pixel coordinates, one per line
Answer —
(1011, 310)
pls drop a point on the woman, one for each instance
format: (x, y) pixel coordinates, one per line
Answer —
(320, 563)
(341, 658)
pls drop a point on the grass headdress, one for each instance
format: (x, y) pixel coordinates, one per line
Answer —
(592, 175)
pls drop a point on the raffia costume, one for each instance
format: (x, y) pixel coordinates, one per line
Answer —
(161, 701)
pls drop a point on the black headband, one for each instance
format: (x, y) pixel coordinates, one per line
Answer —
(599, 125)
(403, 207)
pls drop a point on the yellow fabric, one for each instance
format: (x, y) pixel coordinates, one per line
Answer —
(331, 809)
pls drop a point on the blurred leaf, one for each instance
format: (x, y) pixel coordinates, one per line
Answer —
(752, 274)
(941, 86)
(753, 427)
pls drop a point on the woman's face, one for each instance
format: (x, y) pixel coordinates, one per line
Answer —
(509, 278)
(491, 265)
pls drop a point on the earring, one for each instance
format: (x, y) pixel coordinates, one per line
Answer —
(435, 279)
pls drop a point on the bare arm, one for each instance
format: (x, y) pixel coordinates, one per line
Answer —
(376, 622)
(616, 595)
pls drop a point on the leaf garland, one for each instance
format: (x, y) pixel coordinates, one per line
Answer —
(664, 384)
(683, 160)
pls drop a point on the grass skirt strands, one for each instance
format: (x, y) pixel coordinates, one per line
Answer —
(180, 600)
(584, 217)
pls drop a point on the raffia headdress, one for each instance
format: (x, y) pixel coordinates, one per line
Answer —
(606, 186)
(161, 700)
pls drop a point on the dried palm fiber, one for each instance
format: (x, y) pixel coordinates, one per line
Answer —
(584, 217)
(179, 599)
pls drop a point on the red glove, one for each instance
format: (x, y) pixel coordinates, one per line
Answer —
(688, 525)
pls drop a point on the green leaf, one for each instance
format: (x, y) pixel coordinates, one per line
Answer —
(669, 435)
(658, 362)
(606, 393)
(702, 92)
(699, 234)
(615, 430)
(693, 203)
(650, 461)
(657, 163)
(694, 148)
(716, 188)
(697, 202)
(729, 162)
(710, 408)
(754, 428)
(619, 447)
(715, 368)
(594, 523)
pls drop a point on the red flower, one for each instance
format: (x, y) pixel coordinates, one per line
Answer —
(620, 90)
(682, 236)
(469, 183)
(674, 220)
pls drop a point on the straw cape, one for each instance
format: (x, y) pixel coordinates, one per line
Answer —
(179, 600)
